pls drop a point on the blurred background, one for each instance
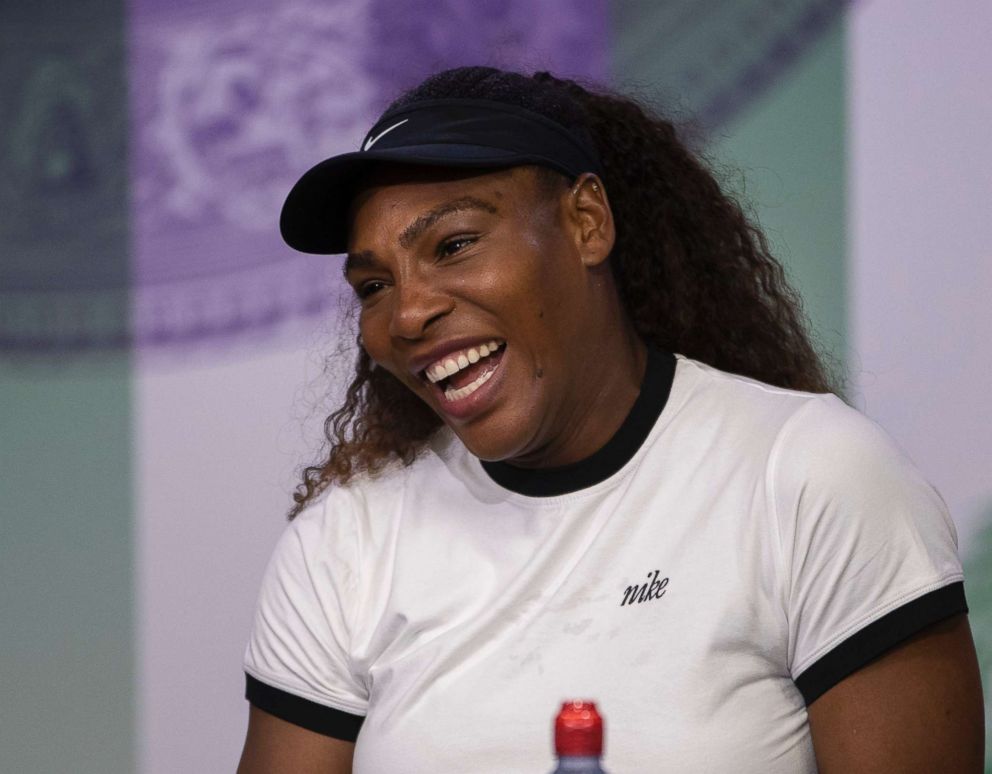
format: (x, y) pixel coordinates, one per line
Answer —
(163, 357)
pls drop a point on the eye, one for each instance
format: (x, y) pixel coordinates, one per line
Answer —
(368, 289)
(454, 245)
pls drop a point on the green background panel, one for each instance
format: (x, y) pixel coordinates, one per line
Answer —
(66, 575)
(784, 157)
(66, 550)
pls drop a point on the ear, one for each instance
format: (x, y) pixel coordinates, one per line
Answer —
(587, 210)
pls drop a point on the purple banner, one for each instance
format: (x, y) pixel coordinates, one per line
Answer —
(231, 102)
(168, 233)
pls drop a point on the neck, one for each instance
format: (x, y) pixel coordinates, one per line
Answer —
(615, 378)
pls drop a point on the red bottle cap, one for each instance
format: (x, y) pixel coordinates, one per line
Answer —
(579, 729)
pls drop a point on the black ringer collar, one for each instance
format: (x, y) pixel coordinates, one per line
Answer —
(618, 451)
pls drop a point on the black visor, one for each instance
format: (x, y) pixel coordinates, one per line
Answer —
(441, 133)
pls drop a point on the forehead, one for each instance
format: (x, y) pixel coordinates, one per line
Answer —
(386, 175)
(392, 194)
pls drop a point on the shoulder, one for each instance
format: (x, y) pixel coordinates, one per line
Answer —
(737, 410)
(368, 504)
(819, 424)
(829, 447)
(809, 443)
(706, 381)
(843, 491)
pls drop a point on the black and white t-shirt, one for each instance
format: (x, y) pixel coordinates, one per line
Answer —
(733, 552)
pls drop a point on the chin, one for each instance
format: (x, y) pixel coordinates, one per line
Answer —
(495, 439)
(486, 447)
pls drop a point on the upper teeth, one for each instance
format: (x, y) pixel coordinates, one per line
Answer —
(452, 364)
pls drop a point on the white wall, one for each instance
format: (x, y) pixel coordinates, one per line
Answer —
(920, 176)
(218, 438)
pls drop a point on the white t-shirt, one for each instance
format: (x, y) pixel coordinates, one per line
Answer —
(732, 553)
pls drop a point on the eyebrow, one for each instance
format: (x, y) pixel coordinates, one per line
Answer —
(428, 219)
(363, 259)
(367, 259)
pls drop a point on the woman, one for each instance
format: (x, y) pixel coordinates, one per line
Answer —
(590, 451)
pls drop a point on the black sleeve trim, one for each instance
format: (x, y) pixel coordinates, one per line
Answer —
(303, 712)
(877, 637)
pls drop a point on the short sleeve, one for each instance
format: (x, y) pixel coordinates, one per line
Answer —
(868, 547)
(297, 660)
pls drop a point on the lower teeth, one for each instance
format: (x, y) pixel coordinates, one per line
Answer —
(451, 393)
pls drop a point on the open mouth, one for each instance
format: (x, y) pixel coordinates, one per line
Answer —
(460, 374)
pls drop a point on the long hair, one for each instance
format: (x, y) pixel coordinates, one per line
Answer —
(694, 273)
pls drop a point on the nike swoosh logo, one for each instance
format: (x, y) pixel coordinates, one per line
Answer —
(373, 140)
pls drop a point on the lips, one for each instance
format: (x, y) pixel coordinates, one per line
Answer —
(461, 379)
(449, 365)
(471, 378)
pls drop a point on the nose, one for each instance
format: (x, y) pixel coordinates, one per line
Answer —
(417, 304)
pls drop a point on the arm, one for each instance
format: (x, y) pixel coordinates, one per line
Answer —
(274, 746)
(306, 702)
(917, 708)
(880, 644)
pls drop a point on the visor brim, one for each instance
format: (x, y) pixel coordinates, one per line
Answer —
(314, 217)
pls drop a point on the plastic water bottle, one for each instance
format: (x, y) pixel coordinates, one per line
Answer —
(579, 738)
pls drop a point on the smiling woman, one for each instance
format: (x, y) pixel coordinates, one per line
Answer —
(579, 369)
(527, 272)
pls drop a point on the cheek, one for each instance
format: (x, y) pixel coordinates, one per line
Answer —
(545, 296)
(373, 326)
(374, 330)
(521, 279)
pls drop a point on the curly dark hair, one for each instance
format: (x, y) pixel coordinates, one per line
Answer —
(694, 273)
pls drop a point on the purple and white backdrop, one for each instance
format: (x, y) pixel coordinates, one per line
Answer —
(162, 352)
